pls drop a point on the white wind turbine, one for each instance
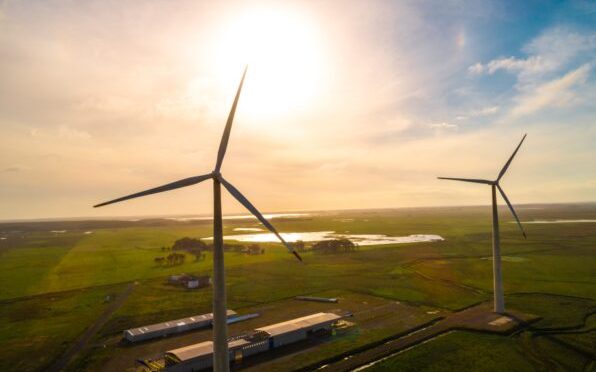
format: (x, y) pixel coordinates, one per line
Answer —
(499, 301)
(220, 355)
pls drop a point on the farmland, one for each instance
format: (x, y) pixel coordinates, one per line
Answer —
(58, 277)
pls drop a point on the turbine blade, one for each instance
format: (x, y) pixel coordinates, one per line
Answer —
(223, 145)
(502, 172)
(170, 186)
(238, 195)
(473, 180)
(512, 211)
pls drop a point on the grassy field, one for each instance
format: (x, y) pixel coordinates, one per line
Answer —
(61, 280)
(35, 330)
(563, 340)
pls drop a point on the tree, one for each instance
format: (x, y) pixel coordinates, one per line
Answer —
(299, 246)
(175, 259)
(341, 245)
(234, 247)
(189, 244)
(254, 249)
(192, 246)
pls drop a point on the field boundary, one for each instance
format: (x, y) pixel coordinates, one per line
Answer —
(60, 363)
(367, 347)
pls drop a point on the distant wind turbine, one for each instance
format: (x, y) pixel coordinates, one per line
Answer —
(220, 355)
(499, 301)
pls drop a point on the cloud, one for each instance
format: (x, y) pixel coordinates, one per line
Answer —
(556, 63)
(485, 111)
(533, 64)
(556, 93)
(549, 52)
(12, 169)
(67, 132)
(443, 126)
(491, 110)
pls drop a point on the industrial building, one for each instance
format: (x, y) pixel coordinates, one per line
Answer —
(200, 356)
(171, 327)
(190, 281)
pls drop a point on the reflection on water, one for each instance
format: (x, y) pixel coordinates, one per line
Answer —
(360, 239)
(248, 229)
(558, 221)
(241, 217)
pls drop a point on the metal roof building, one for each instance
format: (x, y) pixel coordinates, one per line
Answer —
(170, 327)
(200, 356)
(298, 329)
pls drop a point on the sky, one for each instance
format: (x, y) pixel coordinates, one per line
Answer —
(346, 104)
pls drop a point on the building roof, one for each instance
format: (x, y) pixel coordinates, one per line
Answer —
(205, 349)
(299, 323)
(192, 351)
(173, 324)
(202, 349)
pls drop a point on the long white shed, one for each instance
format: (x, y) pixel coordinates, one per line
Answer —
(171, 327)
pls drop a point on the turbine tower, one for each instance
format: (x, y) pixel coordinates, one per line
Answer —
(220, 330)
(499, 300)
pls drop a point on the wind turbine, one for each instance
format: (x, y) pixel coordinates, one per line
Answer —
(220, 331)
(499, 301)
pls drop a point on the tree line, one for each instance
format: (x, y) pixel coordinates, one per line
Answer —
(197, 248)
(341, 245)
(170, 260)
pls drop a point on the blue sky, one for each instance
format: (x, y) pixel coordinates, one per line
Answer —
(346, 105)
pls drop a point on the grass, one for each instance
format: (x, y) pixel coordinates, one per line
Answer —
(541, 347)
(34, 331)
(459, 351)
(68, 275)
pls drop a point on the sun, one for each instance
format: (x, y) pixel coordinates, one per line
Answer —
(285, 57)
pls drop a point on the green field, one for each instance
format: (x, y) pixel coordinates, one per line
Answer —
(54, 285)
(562, 340)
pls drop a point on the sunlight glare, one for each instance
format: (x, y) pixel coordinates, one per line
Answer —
(284, 57)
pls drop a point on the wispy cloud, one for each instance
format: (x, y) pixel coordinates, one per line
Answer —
(68, 132)
(532, 64)
(557, 63)
(549, 52)
(556, 93)
(485, 111)
(12, 169)
(443, 126)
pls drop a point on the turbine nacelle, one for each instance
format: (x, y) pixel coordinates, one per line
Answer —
(496, 184)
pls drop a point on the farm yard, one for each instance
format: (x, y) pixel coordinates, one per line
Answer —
(59, 277)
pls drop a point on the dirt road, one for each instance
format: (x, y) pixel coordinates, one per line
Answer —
(63, 361)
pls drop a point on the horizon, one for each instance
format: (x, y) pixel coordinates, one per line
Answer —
(207, 216)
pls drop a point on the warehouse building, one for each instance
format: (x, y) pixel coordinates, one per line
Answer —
(171, 327)
(200, 356)
(298, 329)
(190, 281)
